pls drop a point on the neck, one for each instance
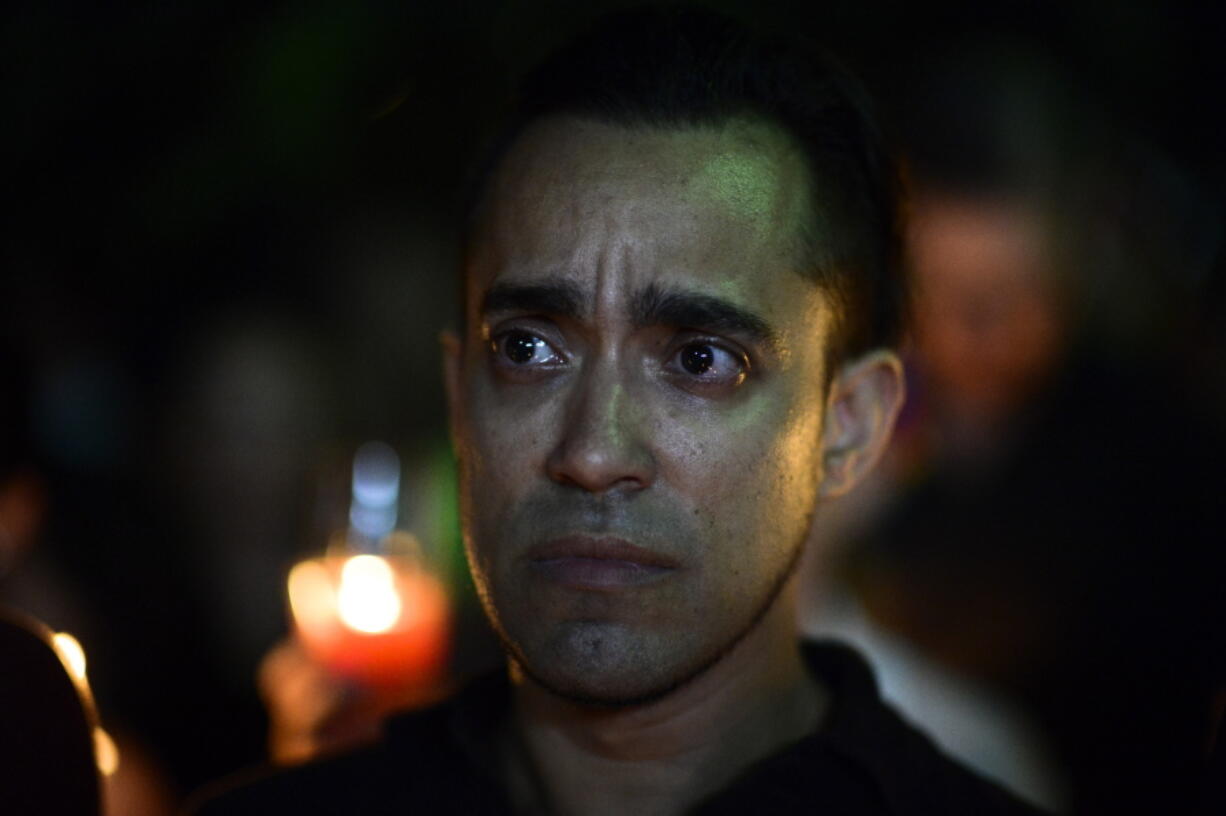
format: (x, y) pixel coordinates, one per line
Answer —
(563, 757)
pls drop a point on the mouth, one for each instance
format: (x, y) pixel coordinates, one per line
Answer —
(598, 563)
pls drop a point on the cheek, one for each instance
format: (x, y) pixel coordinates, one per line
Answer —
(504, 442)
(752, 470)
(791, 470)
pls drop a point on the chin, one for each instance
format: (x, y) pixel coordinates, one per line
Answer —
(605, 665)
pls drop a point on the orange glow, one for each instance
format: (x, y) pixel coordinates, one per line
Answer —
(380, 620)
(106, 754)
(311, 597)
(72, 655)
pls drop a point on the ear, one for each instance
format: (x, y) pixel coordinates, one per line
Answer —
(865, 397)
(453, 359)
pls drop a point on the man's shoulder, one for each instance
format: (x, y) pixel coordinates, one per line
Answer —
(866, 758)
(920, 778)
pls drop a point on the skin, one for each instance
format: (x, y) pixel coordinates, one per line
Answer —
(643, 366)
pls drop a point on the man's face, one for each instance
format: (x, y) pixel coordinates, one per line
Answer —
(638, 399)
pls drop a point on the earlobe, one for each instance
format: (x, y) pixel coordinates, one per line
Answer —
(861, 408)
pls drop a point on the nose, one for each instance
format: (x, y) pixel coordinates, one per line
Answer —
(602, 446)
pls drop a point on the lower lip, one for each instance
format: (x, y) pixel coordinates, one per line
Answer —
(599, 574)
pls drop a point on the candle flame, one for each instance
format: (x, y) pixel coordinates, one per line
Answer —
(367, 600)
(71, 653)
(106, 754)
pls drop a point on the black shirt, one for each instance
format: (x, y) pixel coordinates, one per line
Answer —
(864, 759)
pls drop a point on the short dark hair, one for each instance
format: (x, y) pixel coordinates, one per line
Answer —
(674, 68)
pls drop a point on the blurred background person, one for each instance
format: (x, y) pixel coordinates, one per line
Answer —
(1036, 560)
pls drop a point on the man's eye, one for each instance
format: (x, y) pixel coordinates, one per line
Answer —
(521, 348)
(710, 363)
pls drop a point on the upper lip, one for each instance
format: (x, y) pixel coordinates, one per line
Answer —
(599, 547)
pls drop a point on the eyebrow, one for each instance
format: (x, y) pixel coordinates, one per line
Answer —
(553, 297)
(654, 306)
(651, 306)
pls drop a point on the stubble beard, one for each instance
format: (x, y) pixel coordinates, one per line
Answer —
(684, 676)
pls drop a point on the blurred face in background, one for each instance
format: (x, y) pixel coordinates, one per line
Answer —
(989, 319)
(638, 399)
(22, 506)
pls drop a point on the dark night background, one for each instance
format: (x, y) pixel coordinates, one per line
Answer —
(227, 256)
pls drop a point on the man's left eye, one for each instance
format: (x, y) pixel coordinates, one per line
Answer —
(709, 363)
(522, 349)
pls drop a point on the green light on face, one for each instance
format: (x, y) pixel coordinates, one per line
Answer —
(747, 185)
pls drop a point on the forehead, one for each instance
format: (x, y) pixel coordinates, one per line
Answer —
(718, 209)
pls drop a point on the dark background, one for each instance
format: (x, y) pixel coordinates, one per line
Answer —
(228, 252)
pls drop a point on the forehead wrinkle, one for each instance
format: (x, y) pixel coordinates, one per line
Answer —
(614, 267)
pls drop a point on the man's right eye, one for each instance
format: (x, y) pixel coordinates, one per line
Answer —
(524, 349)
